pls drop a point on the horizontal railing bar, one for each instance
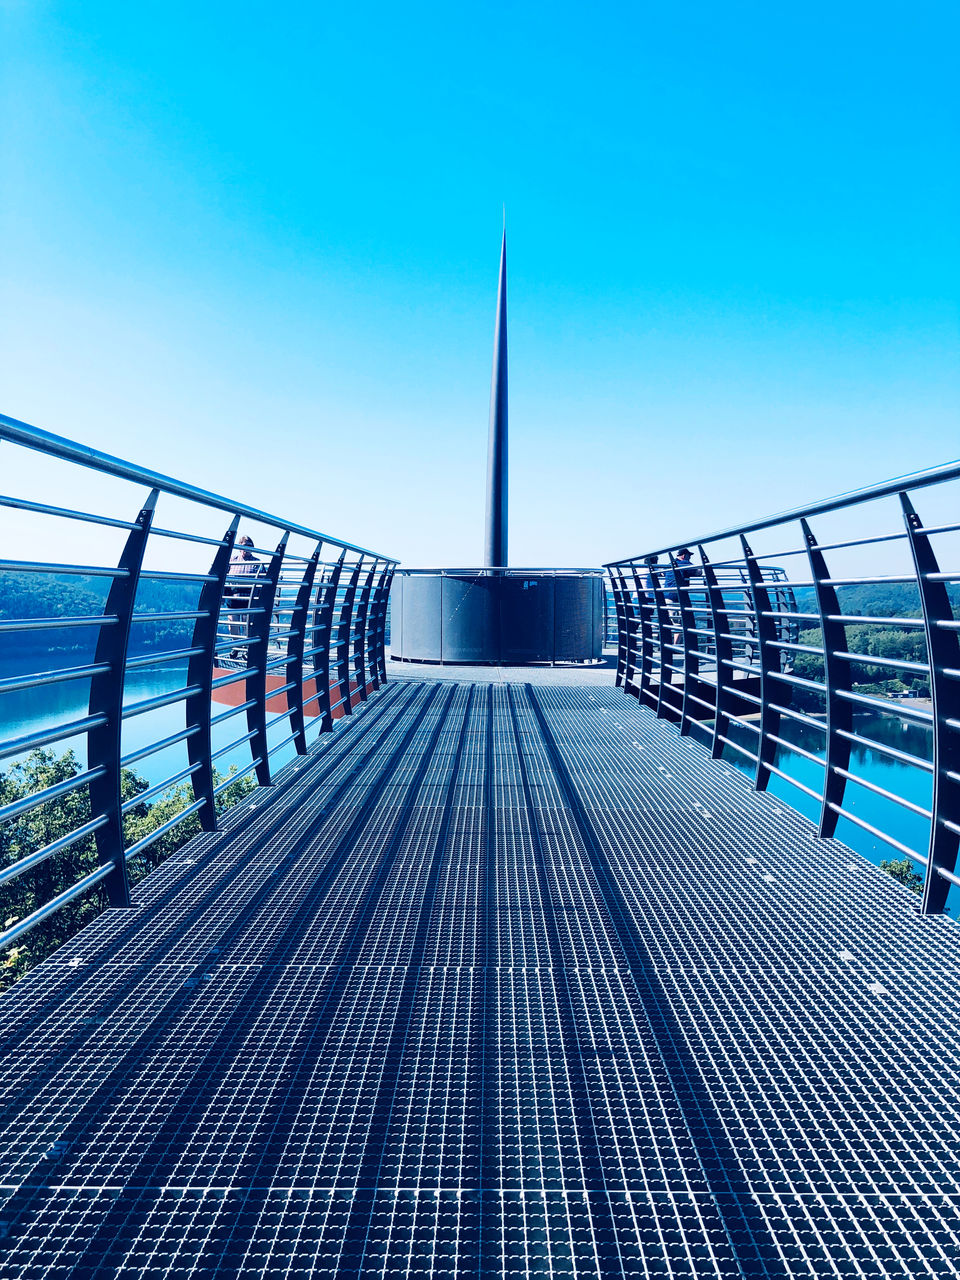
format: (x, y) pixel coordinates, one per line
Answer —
(748, 697)
(887, 708)
(156, 532)
(41, 678)
(33, 859)
(162, 830)
(227, 715)
(801, 786)
(872, 660)
(161, 700)
(42, 737)
(44, 566)
(232, 746)
(799, 716)
(882, 791)
(222, 786)
(737, 747)
(66, 513)
(178, 615)
(50, 624)
(799, 681)
(894, 752)
(881, 835)
(280, 745)
(165, 575)
(234, 677)
(31, 437)
(941, 528)
(800, 751)
(947, 875)
(50, 908)
(160, 745)
(850, 619)
(174, 778)
(16, 808)
(157, 659)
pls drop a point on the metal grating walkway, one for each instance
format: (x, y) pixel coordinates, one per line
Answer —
(501, 980)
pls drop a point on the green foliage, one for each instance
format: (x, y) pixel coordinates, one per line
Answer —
(56, 818)
(902, 869)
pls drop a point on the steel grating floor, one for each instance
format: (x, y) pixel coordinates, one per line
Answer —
(501, 980)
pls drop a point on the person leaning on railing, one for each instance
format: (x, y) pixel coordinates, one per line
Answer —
(681, 575)
(243, 563)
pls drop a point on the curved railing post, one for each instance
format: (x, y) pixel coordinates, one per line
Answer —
(200, 676)
(618, 587)
(644, 638)
(837, 677)
(723, 650)
(943, 656)
(295, 647)
(343, 639)
(323, 662)
(360, 633)
(106, 701)
(262, 599)
(662, 619)
(691, 652)
(766, 632)
(376, 627)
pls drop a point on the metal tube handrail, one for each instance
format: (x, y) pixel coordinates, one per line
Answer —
(776, 642)
(31, 437)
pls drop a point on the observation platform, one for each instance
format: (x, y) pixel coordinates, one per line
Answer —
(501, 978)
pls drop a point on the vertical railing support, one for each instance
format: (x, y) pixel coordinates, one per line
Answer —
(360, 632)
(200, 674)
(662, 618)
(766, 632)
(106, 699)
(943, 655)
(323, 662)
(376, 627)
(295, 647)
(644, 637)
(344, 646)
(691, 652)
(837, 678)
(618, 587)
(262, 598)
(723, 649)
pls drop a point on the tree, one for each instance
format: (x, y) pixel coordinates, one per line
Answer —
(902, 869)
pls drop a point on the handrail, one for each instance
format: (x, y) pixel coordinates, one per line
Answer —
(228, 636)
(884, 489)
(54, 446)
(697, 649)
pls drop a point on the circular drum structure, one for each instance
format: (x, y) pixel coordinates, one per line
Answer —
(509, 616)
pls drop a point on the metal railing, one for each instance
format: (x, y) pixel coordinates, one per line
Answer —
(815, 665)
(295, 637)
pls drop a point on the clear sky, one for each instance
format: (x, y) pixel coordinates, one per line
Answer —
(255, 246)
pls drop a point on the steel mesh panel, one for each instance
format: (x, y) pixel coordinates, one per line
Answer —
(499, 980)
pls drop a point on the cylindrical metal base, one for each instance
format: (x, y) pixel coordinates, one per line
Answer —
(492, 617)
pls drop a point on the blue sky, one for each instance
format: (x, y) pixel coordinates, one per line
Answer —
(256, 247)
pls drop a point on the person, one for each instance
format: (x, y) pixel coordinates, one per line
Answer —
(680, 575)
(243, 564)
(651, 579)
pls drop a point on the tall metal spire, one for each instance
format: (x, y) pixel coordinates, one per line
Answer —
(495, 547)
